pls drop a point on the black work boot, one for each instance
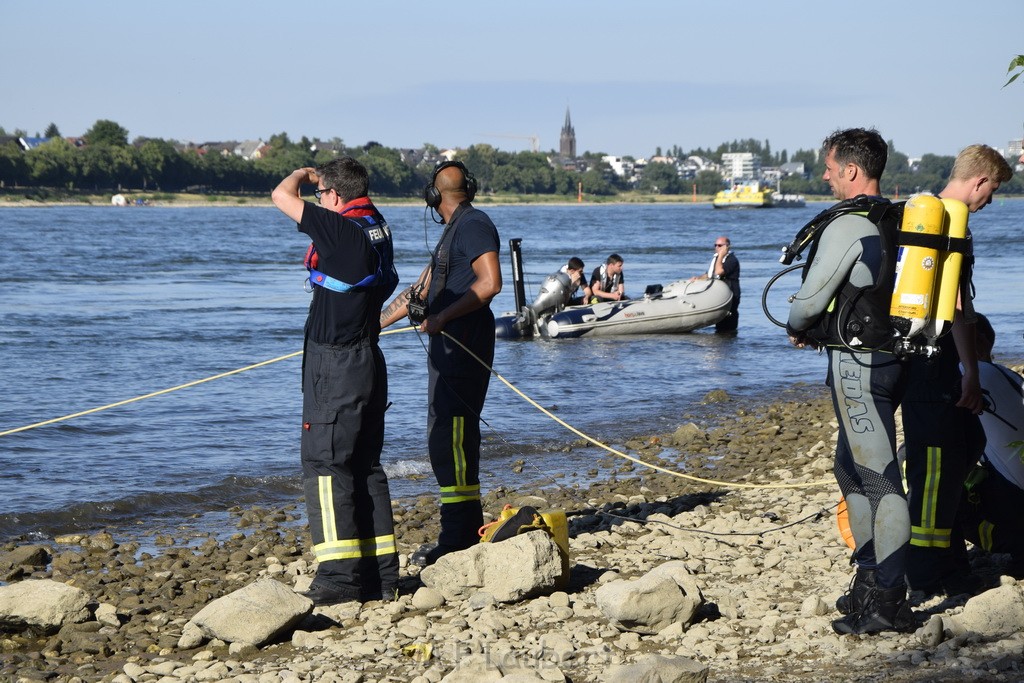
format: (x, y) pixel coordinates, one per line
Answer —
(853, 599)
(885, 609)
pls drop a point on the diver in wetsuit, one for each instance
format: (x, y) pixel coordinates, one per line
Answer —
(847, 269)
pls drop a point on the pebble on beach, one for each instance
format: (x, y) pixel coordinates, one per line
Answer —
(738, 581)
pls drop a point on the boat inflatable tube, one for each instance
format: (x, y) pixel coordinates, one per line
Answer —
(681, 307)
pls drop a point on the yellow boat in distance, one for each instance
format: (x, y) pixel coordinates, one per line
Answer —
(747, 195)
(750, 195)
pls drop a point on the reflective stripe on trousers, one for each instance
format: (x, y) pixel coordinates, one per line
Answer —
(927, 535)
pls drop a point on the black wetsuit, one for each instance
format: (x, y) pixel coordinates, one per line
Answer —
(866, 389)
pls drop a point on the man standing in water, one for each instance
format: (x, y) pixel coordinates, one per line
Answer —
(725, 266)
(846, 272)
(462, 278)
(344, 383)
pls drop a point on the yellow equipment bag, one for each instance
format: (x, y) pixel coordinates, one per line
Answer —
(513, 521)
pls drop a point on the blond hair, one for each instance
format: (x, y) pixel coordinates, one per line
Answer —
(978, 161)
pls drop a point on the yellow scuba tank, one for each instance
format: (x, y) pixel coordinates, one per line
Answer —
(955, 226)
(913, 296)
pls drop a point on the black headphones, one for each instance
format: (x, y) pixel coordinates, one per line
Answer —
(432, 196)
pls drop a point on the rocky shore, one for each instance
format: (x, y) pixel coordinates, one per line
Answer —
(748, 548)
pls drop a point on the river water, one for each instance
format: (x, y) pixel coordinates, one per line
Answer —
(104, 304)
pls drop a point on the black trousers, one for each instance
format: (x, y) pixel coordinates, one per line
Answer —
(991, 514)
(943, 443)
(457, 387)
(345, 391)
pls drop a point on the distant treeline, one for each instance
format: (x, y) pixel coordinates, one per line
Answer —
(104, 160)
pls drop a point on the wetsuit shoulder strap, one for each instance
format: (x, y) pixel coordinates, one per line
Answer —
(808, 234)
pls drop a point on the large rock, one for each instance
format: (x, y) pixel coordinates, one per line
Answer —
(256, 614)
(666, 595)
(42, 605)
(26, 556)
(995, 613)
(521, 567)
(658, 669)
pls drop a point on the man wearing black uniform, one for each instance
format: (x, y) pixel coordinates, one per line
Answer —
(344, 383)
(944, 436)
(462, 278)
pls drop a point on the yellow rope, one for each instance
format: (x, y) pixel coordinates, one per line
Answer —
(625, 455)
(169, 390)
(479, 360)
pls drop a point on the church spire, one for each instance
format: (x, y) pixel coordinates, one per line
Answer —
(567, 140)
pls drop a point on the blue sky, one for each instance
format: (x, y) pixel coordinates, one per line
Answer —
(636, 75)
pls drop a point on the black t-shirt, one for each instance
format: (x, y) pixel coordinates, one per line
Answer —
(474, 236)
(346, 254)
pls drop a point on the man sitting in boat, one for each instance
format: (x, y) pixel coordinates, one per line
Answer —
(574, 269)
(607, 281)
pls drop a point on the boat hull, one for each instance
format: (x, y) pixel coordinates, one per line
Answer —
(682, 307)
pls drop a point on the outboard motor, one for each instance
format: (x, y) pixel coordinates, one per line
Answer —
(554, 292)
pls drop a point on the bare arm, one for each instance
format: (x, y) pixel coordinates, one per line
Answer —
(399, 306)
(966, 347)
(719, 266)
(601, 294)
(484, 288)
(286, 195)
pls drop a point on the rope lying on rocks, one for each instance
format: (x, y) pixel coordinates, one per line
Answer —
(626, 456)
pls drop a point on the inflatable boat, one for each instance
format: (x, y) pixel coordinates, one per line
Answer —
(681, 306)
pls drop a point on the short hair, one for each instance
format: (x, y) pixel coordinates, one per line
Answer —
(614, 258)
(575, 263)
(863, 147)
(346, 176)
(976, 161)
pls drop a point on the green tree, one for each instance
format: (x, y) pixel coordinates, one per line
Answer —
(107, 166)
(155, 158)
(482, 160)
(389, 175)
(708, 182)
(105, 132)
(52, 131)
(933, 164)
(596, 180)
(53, 164)
(14, 169)
(660, 178)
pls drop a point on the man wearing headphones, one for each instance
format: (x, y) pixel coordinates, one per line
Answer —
(462, 278)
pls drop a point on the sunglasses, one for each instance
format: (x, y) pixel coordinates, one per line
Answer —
(319, 193)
